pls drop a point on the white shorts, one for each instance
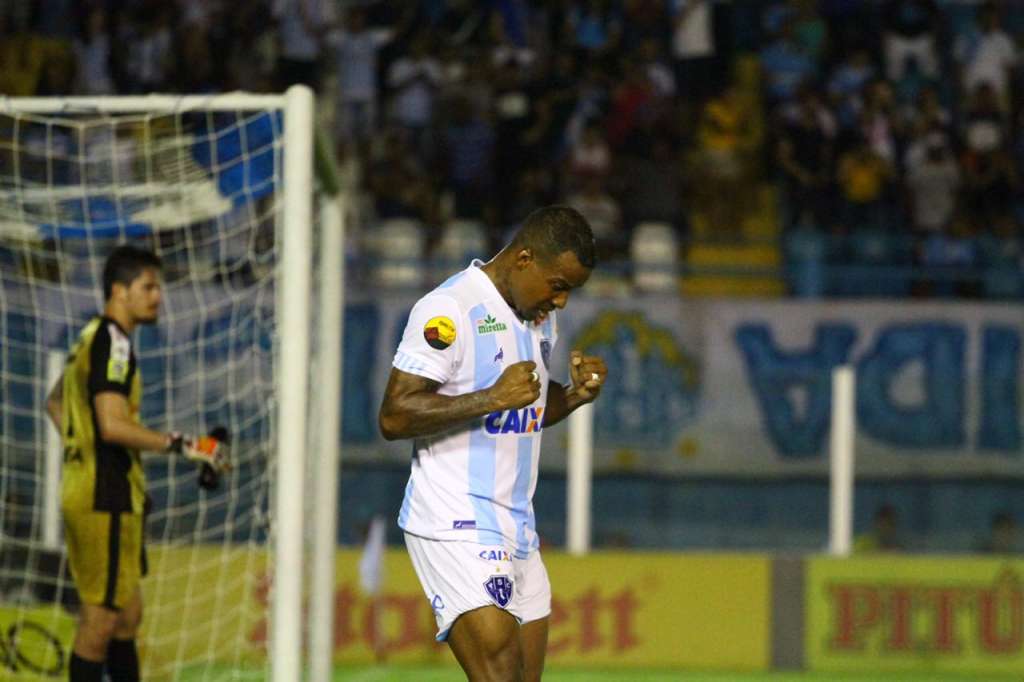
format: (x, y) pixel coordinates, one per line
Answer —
(459, 577)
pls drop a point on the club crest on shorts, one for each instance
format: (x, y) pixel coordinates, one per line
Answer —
(545, 352)
(500, 589)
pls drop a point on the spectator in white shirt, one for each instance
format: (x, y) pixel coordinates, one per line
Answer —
(301, 27)
(988, 55)
(148, 52)
(603, 213)
(414, 80)
(355, 49)
(693, 48)
(92, 53)
(933, 182)
(590, 155)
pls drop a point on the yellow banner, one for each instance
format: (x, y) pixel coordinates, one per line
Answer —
(34, 643)
(208, 606)
(915, 614)
(706, 611)
(703, 611)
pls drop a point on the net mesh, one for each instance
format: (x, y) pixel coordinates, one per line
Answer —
(201, 189)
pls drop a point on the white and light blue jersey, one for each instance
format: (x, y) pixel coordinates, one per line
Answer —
(476, 481)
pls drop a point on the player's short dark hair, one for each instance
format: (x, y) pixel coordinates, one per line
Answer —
(553, 230)
(124, 264)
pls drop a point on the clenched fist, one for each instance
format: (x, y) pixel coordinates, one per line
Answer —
(518, 386)
(588, 374)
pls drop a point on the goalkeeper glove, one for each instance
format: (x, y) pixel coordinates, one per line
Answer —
(211, 452)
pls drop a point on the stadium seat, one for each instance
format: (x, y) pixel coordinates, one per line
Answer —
(876, 273)
(1001, 263)
(806, 255)
(461, 242)
(396, 249)
(655, 254)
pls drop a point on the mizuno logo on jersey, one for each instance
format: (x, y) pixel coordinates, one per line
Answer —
(526, 420)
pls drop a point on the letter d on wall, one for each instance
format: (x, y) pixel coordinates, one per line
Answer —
(938, 421)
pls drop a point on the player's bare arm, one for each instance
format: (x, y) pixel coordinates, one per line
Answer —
(114, 419)
(116, 425)
(55, 403)
(412, 407)
(588, 373)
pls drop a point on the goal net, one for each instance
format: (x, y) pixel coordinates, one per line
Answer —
(204, 182)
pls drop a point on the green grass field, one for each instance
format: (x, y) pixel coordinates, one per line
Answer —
(419, 674)
(398, 673)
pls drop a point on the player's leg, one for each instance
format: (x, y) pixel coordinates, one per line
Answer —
(533, 606)
(122, 654)
(95, 629)
(486, 644)
(105, 554)
(88, 541)
(534, 638)
(471, 589)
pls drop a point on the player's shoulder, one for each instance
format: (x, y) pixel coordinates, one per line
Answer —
(89, 330)
(108, 333)
(458, 290)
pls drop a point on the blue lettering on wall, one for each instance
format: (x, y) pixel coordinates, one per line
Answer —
(999, 426)
(938, 420)
(775, 374)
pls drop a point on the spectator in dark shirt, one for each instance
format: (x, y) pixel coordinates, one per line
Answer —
(805, 158)
(468, 160)
(884, 536)
(1003, 537)
(399, 183)
(653, 185)
(989, 176)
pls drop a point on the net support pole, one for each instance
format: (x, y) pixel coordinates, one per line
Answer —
(330, 319)
(52, 462)
(578, 479)
(841, 455)
(295, 278)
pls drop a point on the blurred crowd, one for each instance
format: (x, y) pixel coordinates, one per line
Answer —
(893, 117)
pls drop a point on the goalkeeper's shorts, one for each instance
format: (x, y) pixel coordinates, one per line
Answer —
(106, 554)
(459, 577)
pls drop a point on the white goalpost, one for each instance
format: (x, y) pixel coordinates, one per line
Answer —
(222, 187)
(841, 461)
(579, 478)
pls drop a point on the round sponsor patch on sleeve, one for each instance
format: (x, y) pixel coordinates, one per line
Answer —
(439, 332)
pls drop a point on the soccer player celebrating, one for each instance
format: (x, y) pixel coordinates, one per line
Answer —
(95, 406)
(470, 384)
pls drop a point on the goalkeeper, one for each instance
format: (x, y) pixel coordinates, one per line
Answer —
(95, 406)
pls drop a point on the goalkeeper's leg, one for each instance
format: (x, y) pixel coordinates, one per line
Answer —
(106, 557)
(122, 656)
(107, 636)
(95, 628)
